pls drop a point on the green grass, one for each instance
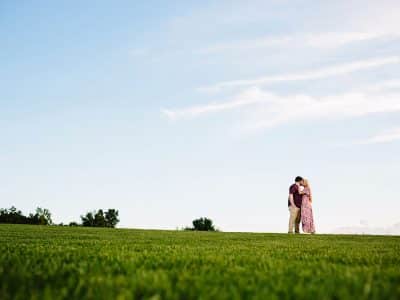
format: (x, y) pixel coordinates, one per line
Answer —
(86, 263)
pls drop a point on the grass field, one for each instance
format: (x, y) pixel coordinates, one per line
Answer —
(86, 263)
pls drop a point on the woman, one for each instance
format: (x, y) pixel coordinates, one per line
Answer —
(307, 218)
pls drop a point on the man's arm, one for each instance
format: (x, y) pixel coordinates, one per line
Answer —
(293, 189)
(291, 199)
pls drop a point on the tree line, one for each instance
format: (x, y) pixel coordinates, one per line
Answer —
(15, 216)
(42, 216)
(100, 218)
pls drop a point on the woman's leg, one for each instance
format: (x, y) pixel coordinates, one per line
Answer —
(305, 216)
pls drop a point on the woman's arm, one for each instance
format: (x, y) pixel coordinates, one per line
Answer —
(309, 194)
(306, 191)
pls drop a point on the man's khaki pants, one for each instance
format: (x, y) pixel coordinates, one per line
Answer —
(294, 219)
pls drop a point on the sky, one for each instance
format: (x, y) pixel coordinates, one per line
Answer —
(173, 110)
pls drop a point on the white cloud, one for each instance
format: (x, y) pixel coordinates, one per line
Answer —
(305, 108)
(383, 137)
(247, 44)
(315, 40)
(337, 39)
(335, 70)
(384, 85)
(262, 109)
(252, 96)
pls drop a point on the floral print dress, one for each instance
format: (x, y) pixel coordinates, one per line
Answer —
(307, 218)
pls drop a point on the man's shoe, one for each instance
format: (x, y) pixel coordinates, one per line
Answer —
(290, 232)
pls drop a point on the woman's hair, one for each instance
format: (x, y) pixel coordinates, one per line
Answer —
(307, 185)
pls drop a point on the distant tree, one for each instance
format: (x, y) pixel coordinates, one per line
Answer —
(42, 217)
(100, 218)
(73, 224)
(203, 224)
(88, 220)
(14, 216)
(111, 218)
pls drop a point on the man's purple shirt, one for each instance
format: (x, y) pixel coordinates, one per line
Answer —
(297, 197)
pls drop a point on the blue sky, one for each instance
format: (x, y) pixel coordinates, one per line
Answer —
(171, 110)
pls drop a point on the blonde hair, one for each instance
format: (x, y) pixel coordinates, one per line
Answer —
(306, 184)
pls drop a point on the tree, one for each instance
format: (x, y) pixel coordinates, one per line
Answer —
(111, 216)
(42, 217)
(100, 218)
(88, 220)
(203, 224)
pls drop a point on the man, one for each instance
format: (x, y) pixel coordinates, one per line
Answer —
(294, 203)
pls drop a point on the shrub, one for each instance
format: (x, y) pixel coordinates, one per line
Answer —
(202, 224)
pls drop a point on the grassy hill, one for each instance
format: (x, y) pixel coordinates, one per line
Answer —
(45, 262)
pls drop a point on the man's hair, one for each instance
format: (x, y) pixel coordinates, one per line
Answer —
(298, 179)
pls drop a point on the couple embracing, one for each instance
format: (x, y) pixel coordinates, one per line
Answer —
(300, 207)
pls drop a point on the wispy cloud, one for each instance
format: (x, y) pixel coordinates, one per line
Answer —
(270, 41)
(384, 85)
(249, 97)
(383, 137)
(335, 70)
(288, 109)
(337, 39)
(263, 109)
(315, 40)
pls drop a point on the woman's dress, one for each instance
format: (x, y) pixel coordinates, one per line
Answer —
(307, 218)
